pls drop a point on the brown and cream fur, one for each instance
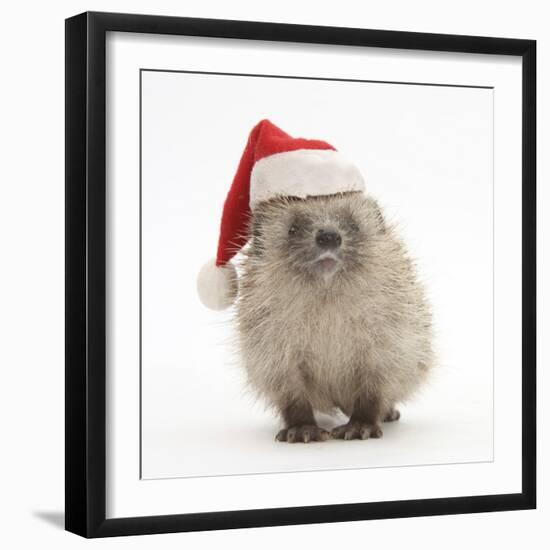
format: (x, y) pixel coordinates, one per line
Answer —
(351, 332)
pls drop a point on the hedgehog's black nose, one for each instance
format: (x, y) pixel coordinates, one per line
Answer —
(328, 239)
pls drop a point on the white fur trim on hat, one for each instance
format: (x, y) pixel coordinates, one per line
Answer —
(303, 173)
(217, 285)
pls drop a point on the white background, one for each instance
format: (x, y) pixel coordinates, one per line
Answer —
(426, 153)
(32, 277)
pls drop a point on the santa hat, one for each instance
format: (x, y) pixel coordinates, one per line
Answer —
(273, 164)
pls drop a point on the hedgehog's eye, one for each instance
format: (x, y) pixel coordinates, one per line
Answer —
(352, 227)
(293, 230)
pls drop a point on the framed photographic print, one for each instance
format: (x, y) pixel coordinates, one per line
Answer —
(356, 210)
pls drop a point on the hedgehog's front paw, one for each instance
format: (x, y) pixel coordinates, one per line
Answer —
(357, 430)
(303, 434)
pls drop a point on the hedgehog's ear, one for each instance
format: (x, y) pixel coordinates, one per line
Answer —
(380, 220)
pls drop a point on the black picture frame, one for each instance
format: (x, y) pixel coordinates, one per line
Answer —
(85, 427)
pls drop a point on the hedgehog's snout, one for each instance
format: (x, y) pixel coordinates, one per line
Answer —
(328, 239)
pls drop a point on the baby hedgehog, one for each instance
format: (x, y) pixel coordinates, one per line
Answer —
(331, 315)
(330, 312)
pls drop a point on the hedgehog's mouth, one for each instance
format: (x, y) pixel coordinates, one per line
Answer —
(327, 263)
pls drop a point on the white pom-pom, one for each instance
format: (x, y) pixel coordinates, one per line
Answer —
(217, 286)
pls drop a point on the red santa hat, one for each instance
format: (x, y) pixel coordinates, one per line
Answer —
(273, 164)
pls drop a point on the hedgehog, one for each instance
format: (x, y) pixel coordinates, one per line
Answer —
(330, 312)
(331, 315)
